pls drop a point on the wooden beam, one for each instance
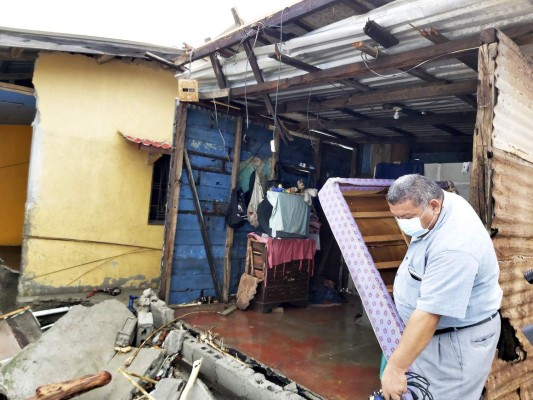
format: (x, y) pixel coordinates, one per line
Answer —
(426, 91)
(229, 230)
(217, 69)
(173, 196)
(434, 36)
(419, 120)
(203, 227)
(480, 193)
(288, 14)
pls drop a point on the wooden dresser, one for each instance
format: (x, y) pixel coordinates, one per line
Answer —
(283, 283)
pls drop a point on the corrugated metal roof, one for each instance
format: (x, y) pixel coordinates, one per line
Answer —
(332, 46)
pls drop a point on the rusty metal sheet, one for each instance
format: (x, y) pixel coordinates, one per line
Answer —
(513, 113)
(512, 191)
(511, 166)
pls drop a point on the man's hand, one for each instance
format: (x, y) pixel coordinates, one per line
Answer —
(393, 382)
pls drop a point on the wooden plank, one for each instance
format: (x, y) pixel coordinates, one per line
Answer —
(229, 230)
(203, 227)
(388, 264)
(383, 238)
(372, 214)
(296, 11)
(217, 69)
(171, 220)
(479, 178)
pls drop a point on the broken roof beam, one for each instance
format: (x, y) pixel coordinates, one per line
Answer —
(408, 58)
(419, 120)
(390, 95)
(434, 36)
(298, 10)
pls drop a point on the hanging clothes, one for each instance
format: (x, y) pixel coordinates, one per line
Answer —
(257, 197)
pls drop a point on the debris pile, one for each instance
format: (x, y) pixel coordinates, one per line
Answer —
(89, 353)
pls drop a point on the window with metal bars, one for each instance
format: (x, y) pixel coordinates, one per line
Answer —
(158, 196)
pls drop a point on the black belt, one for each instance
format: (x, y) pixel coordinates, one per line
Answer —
(452, 329)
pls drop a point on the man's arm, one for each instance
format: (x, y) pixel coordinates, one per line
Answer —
(418, 332)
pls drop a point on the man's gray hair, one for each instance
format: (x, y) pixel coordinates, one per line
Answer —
(417, 188)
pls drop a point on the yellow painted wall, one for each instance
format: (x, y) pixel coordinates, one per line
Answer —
(15, 141)
(89, 189)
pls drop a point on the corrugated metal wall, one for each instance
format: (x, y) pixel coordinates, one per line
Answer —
(512, 192)
(209, 140)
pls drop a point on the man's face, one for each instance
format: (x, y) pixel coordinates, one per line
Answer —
(408, 210)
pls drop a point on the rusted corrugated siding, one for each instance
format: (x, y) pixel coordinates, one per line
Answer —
(512, 191)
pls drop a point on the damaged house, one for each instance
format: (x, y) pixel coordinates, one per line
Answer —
(324, 89)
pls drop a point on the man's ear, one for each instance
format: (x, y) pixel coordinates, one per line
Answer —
(435, 205)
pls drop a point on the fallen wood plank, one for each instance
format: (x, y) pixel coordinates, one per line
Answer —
(73, 387)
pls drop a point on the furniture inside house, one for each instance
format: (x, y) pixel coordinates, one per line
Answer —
(284, 268)
(383, 238)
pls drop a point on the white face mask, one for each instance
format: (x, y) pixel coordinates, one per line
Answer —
(412, 226)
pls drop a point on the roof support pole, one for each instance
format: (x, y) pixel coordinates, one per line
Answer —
(173, 197)
(229, 230)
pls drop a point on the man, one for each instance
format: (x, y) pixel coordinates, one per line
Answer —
(446, 292)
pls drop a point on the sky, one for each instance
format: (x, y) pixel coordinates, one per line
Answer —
(161, 22)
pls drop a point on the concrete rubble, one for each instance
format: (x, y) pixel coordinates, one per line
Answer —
(88, 340)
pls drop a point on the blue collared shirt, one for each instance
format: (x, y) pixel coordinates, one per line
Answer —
(452, 271)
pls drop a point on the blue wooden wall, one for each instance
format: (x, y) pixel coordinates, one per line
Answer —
(210, 141)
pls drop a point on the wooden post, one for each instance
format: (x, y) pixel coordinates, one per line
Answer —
(480, 180)
(229, 230)
(317, 160)
(353, 163)
(173, 197)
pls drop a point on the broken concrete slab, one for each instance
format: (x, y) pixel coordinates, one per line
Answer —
(146, 363)
(168, 389)
(162, 313)
(174, 341)
(80, 343)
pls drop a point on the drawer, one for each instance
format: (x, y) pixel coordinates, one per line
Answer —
(285, 293)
